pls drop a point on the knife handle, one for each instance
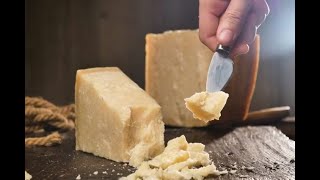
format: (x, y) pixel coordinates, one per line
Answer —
(224, 50)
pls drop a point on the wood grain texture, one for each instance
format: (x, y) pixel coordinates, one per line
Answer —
(265, 148)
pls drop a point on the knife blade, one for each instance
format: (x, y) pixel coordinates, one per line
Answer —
(220, 69)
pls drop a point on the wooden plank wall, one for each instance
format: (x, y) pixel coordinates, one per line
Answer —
(65, 35)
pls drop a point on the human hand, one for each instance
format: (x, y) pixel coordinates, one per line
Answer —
(231, 23)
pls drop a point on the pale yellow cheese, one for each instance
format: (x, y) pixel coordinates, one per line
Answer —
(177, 64)
(200, 173)
(207, 106)
(115, 118)
(167, 158)
(176, 67)
(27, 176)
(195, 165)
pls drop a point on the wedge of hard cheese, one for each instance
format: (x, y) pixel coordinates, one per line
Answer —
(207, 106)
(176, 67)
(115, 118)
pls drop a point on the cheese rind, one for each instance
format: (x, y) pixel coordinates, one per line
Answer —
(195, 165)
(207, 106)
(115, 118)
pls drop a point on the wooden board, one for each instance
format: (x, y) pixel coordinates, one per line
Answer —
(265, 148)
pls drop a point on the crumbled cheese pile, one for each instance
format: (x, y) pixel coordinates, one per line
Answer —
(179, 160)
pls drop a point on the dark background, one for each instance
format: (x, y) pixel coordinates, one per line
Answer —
(65, 35)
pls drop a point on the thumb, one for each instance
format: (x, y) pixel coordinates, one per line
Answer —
(232, 20)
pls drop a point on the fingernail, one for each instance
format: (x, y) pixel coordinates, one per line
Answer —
(226, 36)
(244, 49)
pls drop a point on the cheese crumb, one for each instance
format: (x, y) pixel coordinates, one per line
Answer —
(78, 177)
(232, 171)
(104, 172)
(243, 176)
(223, 172)
(95, 173)
(27, 176)
(250, 169)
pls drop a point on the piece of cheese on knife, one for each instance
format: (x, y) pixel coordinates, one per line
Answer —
(207, 106)
(115, 118)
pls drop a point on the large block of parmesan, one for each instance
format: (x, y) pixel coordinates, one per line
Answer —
(176, 68)
(115, 118)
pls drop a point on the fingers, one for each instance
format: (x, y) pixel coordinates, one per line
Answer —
(246, 36)
(239, 49)
(255, 18)
(232, 21)
(262, 10)
(249, 30)
(209, 14)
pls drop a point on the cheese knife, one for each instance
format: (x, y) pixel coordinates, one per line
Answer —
(220, 69)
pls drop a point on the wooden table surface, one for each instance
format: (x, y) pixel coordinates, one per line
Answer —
(267, 149)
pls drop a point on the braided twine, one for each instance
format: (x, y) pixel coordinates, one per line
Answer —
(41, 116)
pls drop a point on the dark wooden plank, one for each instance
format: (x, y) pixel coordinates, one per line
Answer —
(265, 148)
